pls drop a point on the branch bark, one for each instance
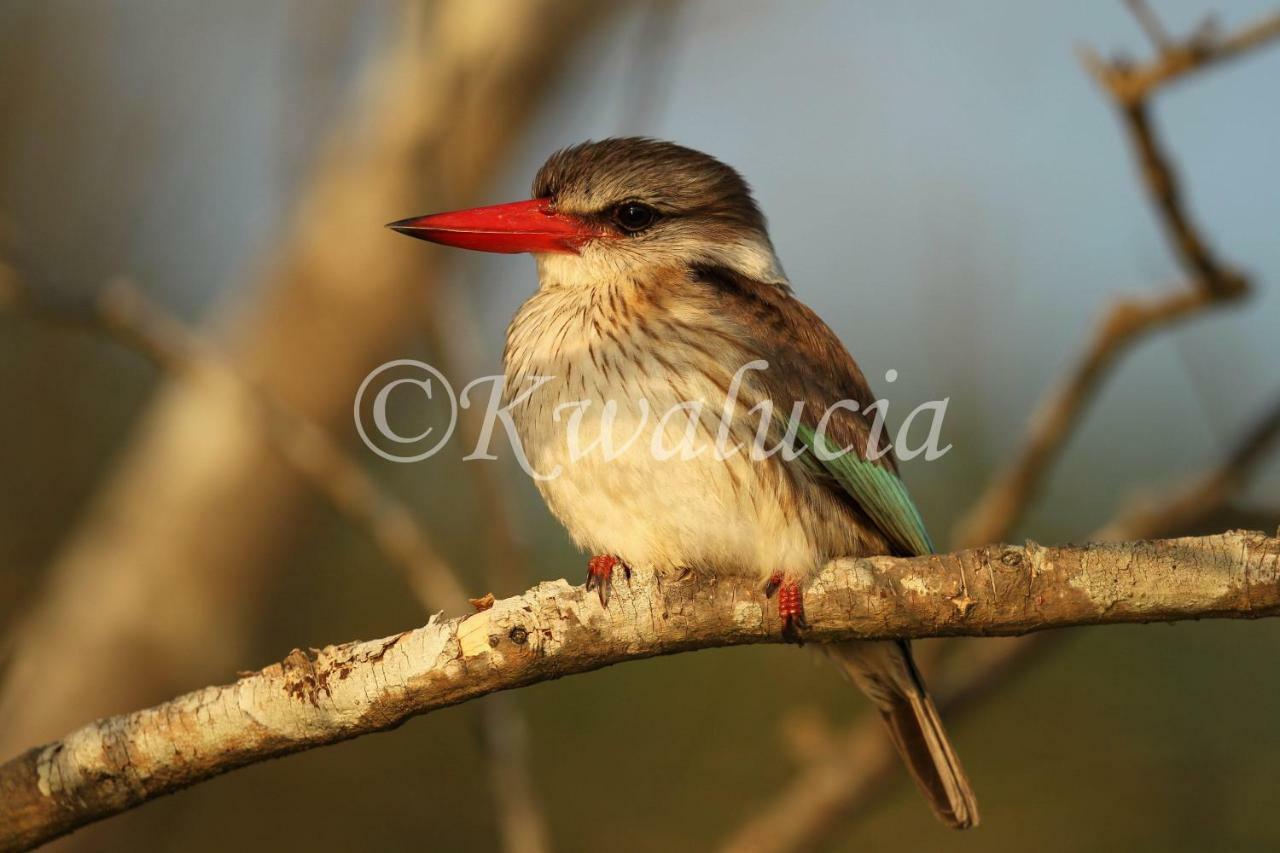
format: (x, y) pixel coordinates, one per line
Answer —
(846, 772)
(122, 313)
(554, 630)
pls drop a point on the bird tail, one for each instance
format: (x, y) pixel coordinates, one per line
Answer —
(884, 670)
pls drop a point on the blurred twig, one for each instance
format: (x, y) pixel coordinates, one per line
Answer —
(1202, 496)
(1151, 24)
(122, 312)
(1131, 83)
(831, 791)
(1001, 506)
(1006, 499)
(554, 630)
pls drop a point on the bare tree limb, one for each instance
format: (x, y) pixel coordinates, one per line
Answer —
(1131, 83)
(554, 630)
(1003, 503)
(850, 770)
(1200, 497)
(1056, 418)
(121, 312)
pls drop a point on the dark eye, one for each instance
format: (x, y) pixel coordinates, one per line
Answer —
(632, 216)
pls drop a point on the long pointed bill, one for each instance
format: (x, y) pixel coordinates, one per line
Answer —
(522, 226)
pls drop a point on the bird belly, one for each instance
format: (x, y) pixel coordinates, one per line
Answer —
(635, 465)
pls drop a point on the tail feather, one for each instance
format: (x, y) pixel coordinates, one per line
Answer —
(885, 671)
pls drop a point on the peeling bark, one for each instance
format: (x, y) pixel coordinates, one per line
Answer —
(323, 696)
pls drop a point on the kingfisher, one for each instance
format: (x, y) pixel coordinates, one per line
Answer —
(658, 285)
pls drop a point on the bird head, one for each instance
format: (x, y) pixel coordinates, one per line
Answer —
(619, 207)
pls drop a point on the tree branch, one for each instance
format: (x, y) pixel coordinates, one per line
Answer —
(1200, 497)
(850, 769)
(1130, 83)
(123, 314)
(553, 630)
(847, 771)
(1211, 283)
(441, 109)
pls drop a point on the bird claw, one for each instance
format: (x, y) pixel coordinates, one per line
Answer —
(790, 607)
(793, 628)
(600, 575)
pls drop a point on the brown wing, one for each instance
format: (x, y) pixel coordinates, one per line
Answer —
(808, 363)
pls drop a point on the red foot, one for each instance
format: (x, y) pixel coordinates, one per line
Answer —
(790, 606)
(600, 575)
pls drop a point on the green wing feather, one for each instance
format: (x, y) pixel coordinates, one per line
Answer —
(808, 363)
(878, 490)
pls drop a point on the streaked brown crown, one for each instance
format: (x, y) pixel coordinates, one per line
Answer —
(593, 176)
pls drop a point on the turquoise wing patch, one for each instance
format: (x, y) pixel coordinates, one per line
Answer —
(877, 490)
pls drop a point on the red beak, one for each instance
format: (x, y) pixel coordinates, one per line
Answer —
(522, 226)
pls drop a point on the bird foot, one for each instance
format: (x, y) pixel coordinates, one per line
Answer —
(600, 575)
(790, 606)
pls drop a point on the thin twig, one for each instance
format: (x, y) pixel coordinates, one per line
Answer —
(1131, 83)
(1207, 273)
(122, 313)
(852, 770)
(1211, 283)
(1151, 25)
(554, 630)
(1004, 502)
(1204, 495)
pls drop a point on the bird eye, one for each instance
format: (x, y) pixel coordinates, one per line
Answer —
(631, 216)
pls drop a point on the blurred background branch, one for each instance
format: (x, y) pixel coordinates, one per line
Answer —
(122, 312)
(997, 512)
(176, 548)
(840, 782)
(1130, 84)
